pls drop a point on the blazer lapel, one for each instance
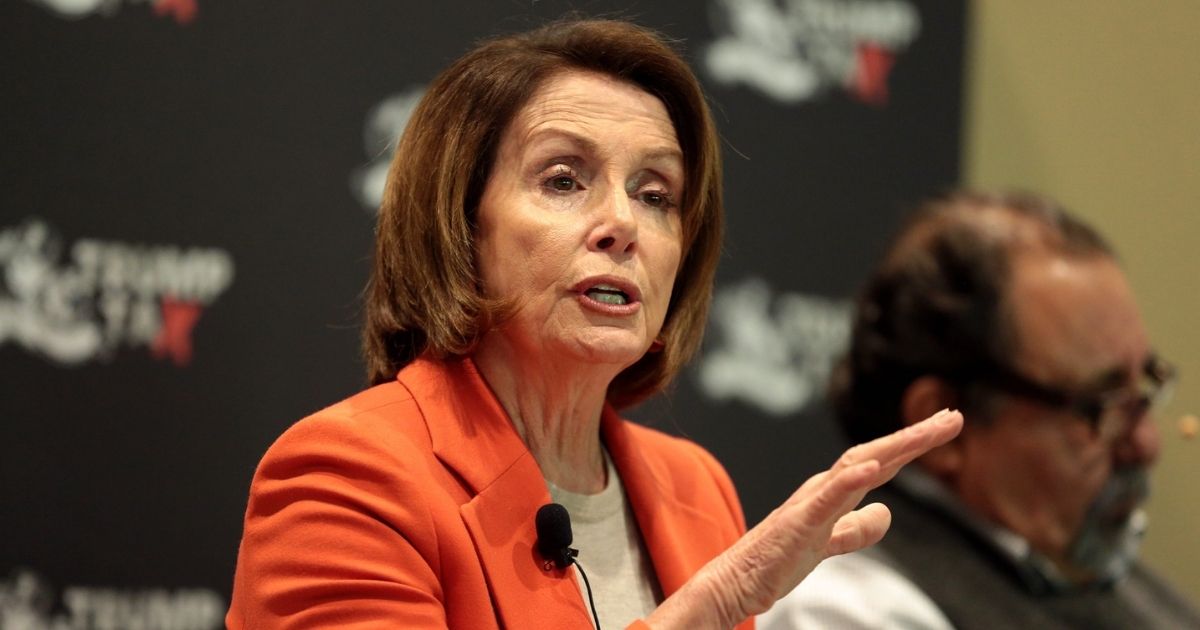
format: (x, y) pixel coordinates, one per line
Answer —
(501, 522)
(473, 436)
(679, 537)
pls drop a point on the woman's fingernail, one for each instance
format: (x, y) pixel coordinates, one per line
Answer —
(945, 417)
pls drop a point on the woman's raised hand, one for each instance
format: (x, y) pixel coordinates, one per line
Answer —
(816, 522)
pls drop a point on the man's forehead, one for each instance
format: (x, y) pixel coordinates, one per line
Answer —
(1075, 317)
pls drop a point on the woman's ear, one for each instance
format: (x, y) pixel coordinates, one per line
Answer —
(924, 397)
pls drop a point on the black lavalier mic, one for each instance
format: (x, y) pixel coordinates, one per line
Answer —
(554, 535)
(554, 543)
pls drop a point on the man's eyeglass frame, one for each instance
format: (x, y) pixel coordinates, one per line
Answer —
(1098, 408)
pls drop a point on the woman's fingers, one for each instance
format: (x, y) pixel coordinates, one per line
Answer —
(894, 450)
(891, 452)
(817, 521)
(935, 431)
(870, 465)
(836, 494)
(858, 529)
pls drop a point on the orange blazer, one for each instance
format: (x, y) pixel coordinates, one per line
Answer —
(412, 505)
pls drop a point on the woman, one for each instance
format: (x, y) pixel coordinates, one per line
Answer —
(544, 256)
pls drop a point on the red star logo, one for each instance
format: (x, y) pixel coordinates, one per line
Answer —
(184, 11)
(175, 337)
(870, 74)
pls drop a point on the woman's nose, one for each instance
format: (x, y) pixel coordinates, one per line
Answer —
(616, 228)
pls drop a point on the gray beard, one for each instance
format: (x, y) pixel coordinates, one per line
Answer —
(1107, 542)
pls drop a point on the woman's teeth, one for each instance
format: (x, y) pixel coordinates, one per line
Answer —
(606, 294)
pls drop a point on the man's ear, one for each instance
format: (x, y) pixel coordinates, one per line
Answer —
(924, 397)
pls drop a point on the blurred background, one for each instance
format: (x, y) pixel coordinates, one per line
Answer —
(1095, 104)
(187, 194)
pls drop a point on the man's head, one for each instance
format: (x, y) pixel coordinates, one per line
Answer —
(1011, 310)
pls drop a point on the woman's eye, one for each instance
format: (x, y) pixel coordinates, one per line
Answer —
(561, 178)
(563, 183)
(657, 199)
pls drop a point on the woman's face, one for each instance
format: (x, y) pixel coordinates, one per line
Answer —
(579, 221)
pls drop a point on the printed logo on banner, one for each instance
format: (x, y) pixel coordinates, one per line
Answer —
(28, 602)
(106, 295)
(385, 123)
(182, 11)
(798, 50)
(774, 352)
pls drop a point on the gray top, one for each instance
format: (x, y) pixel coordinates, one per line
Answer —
(611, 552)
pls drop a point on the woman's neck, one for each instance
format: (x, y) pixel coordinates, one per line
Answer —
(556, 410)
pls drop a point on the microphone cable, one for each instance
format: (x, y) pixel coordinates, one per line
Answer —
(554, 542)
(587, 584)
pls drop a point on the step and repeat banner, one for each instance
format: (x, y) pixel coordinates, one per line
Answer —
(187, 195)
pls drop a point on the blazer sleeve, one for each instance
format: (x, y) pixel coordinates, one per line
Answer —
(335, 536)
(727, 490)
(733, 508)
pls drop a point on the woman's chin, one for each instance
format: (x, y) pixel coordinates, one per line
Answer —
(620, 348)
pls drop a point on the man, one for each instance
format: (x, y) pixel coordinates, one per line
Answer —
(1016, 313)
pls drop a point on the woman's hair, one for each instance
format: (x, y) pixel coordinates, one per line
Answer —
(424, 295)
(936, 305)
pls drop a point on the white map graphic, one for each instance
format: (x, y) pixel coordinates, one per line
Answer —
(104, 295)
(772, 351)
(385, 122)
(796, 50)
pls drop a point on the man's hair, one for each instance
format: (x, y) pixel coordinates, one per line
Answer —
(936, 304)
(424, 295)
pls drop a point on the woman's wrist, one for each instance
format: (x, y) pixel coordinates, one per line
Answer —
(701, 603)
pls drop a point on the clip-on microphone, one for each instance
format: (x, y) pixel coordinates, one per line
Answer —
(554, 543)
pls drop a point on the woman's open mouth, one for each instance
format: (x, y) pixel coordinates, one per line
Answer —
(609, 295)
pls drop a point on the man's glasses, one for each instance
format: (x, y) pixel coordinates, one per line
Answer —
(1111, 413)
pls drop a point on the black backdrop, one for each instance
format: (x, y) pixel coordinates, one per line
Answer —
(185, 224)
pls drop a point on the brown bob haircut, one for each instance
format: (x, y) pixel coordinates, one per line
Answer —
(424, 295)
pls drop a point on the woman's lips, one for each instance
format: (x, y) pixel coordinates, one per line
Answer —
(609, 295)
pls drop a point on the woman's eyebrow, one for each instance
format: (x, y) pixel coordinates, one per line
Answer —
(664, 154)
(590, 146)
(584, 143)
